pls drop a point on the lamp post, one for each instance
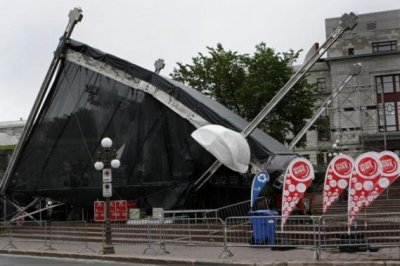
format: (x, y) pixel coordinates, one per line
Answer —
(104, 163)
(335, 148)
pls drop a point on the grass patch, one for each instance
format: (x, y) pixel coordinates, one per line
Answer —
(7, 147)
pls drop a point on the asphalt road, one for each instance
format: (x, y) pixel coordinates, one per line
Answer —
(15, 260)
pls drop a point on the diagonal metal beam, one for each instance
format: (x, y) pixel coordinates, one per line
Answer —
(23, 209)
(356, 69)
(75, 16)
(347, 22)
(37, 211)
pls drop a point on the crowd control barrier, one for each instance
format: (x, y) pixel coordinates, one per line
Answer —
(323, 236)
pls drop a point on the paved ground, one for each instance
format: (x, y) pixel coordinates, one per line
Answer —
(16, 260)
(194, 255)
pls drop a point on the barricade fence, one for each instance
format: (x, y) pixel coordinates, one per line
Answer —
(46, 235)
(319, 234)
(237, 209)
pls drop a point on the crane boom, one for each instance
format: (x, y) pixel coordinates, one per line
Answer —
(355, 70)
(347, 22)
(75, 16)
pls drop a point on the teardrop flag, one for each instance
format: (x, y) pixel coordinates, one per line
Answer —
(298, 177)
(366, 172)
(337, 179)
(390, 172)
(259, 182)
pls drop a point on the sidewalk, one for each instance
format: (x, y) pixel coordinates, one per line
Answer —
(194, 255)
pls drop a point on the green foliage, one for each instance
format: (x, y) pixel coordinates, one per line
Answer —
(7, 147)
(245, 83)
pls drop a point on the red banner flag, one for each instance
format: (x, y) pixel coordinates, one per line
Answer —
(390, 172)
(299, 176)
(337, 178)
(366, 173)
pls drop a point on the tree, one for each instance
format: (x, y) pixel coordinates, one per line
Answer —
(245, 83)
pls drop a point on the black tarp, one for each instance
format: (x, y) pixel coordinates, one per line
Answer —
(159, 159)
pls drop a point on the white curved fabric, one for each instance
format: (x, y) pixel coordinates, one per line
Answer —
(228, 146)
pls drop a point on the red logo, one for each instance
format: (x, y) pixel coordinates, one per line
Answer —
(389, 164)
(300, 170)
(343, 167)
(368, 167)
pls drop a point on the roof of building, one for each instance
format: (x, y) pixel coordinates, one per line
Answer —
(12, 124)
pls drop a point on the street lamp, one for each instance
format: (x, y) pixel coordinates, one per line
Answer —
(335, 148)
(104, 163)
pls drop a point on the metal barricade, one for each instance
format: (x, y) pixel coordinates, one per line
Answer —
(200, 213)
(69, 234)
(241, 208)
(138, 232)
(155, 234)
(366, 232)
(193, 231)
(25, 234)
(324, 235)
(263, 230)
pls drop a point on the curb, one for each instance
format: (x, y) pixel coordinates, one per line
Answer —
(192, 262)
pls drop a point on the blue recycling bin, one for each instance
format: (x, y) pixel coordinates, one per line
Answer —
(263, 224)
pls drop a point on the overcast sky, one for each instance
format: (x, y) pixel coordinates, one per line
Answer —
(142, 31)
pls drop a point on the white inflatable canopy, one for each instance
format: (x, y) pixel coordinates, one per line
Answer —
(228, 146)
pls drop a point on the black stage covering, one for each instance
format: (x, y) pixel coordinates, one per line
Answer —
(159, 159)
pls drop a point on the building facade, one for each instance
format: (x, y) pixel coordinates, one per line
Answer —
(365, 116)
(10, 132)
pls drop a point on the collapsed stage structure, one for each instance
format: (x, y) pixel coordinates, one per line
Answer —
(150, 119)
(88, 94)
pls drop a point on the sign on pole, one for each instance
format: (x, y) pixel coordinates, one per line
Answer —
(107, 176)
(107, 190)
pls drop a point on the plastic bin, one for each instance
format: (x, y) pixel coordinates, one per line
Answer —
(264, 227)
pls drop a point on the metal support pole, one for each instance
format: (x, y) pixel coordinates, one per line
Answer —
(75, 16)
(384, 116)
(5, 208)
(226, 253)
(317, 237)
(104, 164)
(347, 22)
(356, 69)
(22, 211)
(108, 247)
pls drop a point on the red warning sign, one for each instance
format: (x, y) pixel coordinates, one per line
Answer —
(99, 211)
(118, 210)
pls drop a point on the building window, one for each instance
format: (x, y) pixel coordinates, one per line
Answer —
(351, 51)
(371, 26)
(323, 128)
(384, 46)
(388, 98)
(321, 158)
(321, 84)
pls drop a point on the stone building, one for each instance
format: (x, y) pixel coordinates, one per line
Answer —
(10, 133)
(365, 116)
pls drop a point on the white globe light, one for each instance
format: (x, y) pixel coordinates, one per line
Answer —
(106, 143)
(115, 163)
(99, 166)
(334, 145)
